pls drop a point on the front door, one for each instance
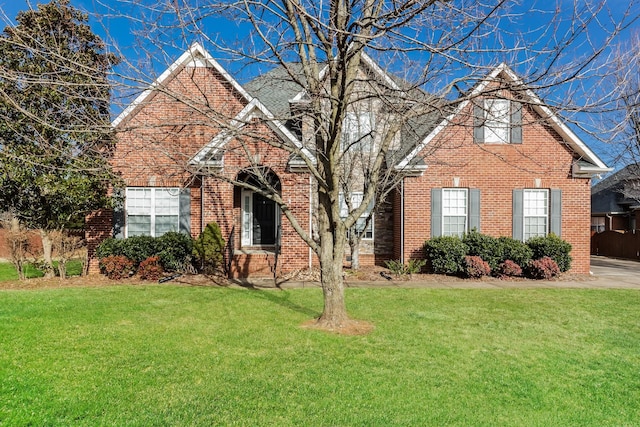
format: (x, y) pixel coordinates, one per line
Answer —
(259, 220)
(264, 220)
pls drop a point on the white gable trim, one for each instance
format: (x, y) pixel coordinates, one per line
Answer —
(195, 56)
(368, 61)
(575, 143)
(254, 109)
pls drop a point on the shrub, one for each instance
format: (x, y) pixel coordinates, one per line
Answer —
(208, 249)
(139, 248)
(483, 246)
(399, 269)
(116, 267)
(475, 267)
(509, 268)
(514, 250)
(445, 254)
(150, 269)
(175, 251)
(543, 268)
(553, 247)
(110, 246)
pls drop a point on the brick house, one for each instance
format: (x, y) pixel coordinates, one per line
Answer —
(504, 164)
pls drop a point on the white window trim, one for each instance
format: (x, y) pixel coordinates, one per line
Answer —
(246, 223)
(363, 141)
(152, 212)
(355, 196)
(491, 124)
(525, 216)
(466, 213)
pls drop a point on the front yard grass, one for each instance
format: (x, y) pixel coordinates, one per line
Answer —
(8, 271)
(175, 355)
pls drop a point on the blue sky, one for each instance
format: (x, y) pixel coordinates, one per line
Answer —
(120, 29)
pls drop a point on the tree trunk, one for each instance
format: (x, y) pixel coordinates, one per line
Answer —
(355, 254)
(332, 246)
(47, 250)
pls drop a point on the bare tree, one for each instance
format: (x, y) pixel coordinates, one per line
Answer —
(328, 52)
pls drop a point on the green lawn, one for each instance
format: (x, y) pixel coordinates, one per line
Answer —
(8, 271)
(171, 355)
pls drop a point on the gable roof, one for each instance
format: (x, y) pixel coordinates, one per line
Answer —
(195, 56)
(589, 163)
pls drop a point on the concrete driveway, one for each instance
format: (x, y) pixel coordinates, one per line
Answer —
(615, 273)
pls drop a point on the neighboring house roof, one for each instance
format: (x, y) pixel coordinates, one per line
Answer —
(611, 195)
(588, 163)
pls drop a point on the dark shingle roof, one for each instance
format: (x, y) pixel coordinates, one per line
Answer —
(607, 195)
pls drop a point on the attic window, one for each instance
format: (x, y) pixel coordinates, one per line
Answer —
(497, 121)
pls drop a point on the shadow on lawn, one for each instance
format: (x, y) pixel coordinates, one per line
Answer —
(281, 298)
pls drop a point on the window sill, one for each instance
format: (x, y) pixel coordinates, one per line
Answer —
(255, 250)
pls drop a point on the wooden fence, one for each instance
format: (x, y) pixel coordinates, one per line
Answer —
(617, 244)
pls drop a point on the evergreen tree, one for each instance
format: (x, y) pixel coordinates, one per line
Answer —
(55, 132)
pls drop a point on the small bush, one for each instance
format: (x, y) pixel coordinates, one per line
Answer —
(445, 254)
(483, 246)
(139, 248)
(509, 268)
(514, 250)
(544, 268)
(475, 267)
(553, 247)
(110, 246)
(150, 269)
(175, 251)
(116, 267)
(399, 269)
(208, 249)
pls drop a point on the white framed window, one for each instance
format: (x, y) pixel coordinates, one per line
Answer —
(361, 225)
(497, 120)
(152, 211)
(535, 213)
(598, 224)
(357, 131)
(454, 211)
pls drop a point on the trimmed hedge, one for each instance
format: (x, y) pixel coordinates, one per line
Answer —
(445, 254)
(553, 247)
(505, 256)
(173, 249)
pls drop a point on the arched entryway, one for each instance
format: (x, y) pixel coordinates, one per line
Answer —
(260, 221)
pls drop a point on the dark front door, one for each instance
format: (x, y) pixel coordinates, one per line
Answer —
(264, 220)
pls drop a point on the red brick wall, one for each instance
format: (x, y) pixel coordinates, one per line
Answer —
(159, 138)
(497, 169)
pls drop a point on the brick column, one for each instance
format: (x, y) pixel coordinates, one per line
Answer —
(98, 226)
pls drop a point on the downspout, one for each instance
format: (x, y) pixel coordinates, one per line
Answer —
(402, 221)
(202, 177)
(310, 221)
(610, 218)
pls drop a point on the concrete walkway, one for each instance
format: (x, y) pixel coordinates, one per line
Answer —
(606, 273)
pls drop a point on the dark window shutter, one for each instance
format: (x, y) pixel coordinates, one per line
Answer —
(556, 212)
(474, 209)
(478, 122)
(518, 212)
(185, 210)
(516, 122)
(118, 213)
(436, 212)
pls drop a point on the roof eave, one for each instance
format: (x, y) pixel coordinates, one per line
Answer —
(583, 171)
